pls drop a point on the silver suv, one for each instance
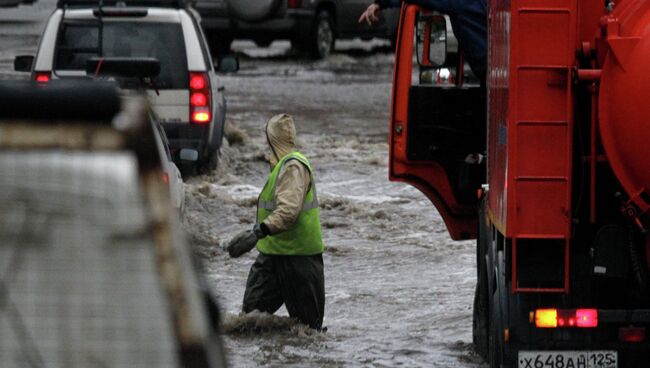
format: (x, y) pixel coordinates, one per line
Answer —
(186, 95)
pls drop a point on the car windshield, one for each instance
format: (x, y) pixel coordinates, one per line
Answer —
(78, 42)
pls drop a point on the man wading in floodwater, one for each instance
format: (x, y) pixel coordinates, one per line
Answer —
(289, 267)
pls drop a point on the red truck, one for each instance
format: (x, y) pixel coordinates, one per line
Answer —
(559, 206)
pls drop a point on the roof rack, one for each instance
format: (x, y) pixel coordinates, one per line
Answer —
(75, 4)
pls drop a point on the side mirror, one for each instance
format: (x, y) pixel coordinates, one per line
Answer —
(432, 40)
(228, 64)
(188, 154)
(23, 63)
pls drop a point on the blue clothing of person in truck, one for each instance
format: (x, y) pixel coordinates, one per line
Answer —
(468, 20)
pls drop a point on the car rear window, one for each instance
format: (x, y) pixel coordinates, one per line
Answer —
(78, 42)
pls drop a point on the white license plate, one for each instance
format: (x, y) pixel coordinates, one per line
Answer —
(568, 359)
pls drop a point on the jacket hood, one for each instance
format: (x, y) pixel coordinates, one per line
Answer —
(281, 136)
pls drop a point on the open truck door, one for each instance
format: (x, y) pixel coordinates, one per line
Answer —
(437, 127)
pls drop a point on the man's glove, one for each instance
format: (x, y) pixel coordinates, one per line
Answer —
(245, 241)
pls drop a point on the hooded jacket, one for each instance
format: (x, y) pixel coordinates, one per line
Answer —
(293, 181)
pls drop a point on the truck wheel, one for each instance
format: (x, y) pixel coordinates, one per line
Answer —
(480, 323)
(497, 302)
(495, 354)
(320, 40)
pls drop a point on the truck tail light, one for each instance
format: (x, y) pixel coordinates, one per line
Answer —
(631, 334)
(200, 98)
(546, 318)
(587, 317)
(294, 3)
(553, 318)
(42, 77)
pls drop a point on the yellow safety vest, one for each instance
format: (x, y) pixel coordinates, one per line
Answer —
(304, 238)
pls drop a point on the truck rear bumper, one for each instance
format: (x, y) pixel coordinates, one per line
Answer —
(605, 337)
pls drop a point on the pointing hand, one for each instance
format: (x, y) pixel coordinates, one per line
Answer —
(371, 15)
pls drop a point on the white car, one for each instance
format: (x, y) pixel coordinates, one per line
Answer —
(172, 176)
(186, 95)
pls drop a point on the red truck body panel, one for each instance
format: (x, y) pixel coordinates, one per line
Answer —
(530, 117)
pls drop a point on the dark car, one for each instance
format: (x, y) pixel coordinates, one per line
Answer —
(311, 25)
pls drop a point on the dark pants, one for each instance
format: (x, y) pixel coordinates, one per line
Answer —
(296, 281)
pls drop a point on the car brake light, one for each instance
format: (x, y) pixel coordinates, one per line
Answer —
(165, 178)
(294, 3)
(587, 317)
(546, 318)
(42, 77)
(552, 318)
(631, 334)
(197, 81)
(200, 98)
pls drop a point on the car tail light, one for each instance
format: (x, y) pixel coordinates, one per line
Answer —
(200, 98)
(42, 77)
(552, 318)
(165, 178)
(198, 81)
(294, 3)
(631, 334)
(201, 116)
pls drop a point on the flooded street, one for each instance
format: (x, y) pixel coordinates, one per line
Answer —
(399, 292)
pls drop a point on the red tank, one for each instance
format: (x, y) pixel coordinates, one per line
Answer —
(625, 99)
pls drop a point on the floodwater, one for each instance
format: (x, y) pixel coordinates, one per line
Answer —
(399, 292)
